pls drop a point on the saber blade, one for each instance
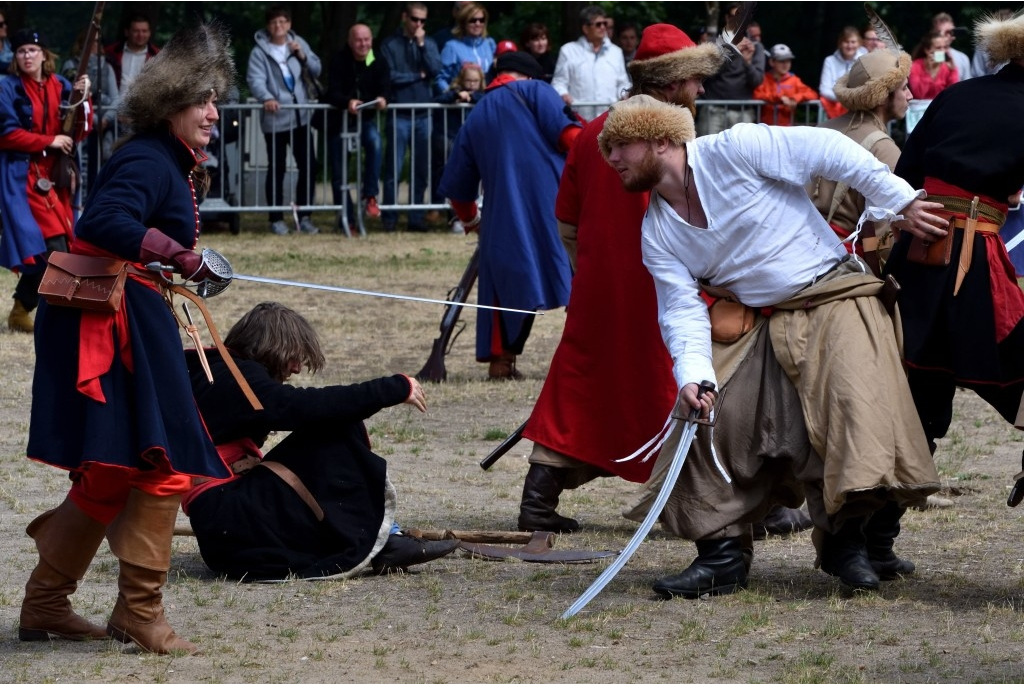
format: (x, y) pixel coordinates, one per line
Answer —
(689, 431)
(354, 291)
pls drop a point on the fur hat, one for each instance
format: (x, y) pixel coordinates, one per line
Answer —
(666, 54)
(872, 78)
(1002, 40)
(643, 117)
(194, 62)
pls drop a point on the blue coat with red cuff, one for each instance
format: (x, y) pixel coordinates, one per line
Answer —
(139, 412)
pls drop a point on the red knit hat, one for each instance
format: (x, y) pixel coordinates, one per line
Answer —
(661, 39)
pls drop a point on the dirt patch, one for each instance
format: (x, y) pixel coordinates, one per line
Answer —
(959, 618)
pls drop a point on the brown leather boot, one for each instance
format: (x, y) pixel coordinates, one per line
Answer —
(67, 540)
(541, 490)
(19, 319)
(140, 537)
(503, 368)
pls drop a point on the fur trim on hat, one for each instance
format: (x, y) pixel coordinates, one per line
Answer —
(1002, 40)
(642, 117)
(700, 61)
(871, 79)
(194, 62)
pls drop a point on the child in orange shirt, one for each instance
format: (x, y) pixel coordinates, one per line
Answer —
(781, 90)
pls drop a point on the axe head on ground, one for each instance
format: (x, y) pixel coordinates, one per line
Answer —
(537, 550)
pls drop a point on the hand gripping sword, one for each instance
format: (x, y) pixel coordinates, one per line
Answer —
(689, 431)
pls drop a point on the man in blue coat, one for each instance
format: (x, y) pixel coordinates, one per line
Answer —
(513, 142)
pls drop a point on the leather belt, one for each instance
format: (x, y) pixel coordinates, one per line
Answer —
(983, 226)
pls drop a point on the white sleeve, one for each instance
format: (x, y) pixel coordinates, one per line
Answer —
(682, 313)
(781, 153)
(560, 79)
(828, 79)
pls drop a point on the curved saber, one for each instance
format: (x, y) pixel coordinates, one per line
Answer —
(353, 291)
(652, 515)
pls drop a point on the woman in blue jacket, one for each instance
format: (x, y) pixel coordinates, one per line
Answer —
(471, 45)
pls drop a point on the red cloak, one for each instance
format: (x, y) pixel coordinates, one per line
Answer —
(610, 386)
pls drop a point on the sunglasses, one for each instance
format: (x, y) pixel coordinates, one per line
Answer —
(601, 24)
(418, 20)
(477, 20)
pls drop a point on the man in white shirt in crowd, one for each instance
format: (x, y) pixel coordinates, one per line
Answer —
(128, 57)
(808, 383)
(591, 68)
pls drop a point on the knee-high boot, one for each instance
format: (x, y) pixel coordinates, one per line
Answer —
(844, 555)
(880, 534)
(541, 489)
(140, 537)
(67, 540)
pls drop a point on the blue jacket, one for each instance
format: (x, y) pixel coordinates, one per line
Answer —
(407, 61)
(460, 51)
(509, 143)
(149, 413)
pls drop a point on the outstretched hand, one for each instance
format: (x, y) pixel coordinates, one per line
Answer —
(417, 397)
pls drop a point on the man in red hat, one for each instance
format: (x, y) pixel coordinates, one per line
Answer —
(610, 386)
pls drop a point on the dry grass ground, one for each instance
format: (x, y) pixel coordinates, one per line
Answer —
(959, 619)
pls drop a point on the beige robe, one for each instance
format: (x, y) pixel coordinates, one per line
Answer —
(816, 405)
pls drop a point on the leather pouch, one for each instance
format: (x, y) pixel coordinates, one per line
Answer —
(730, 320)
(73, 280)
(935, 253)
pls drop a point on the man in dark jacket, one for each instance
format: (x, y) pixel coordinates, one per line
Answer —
(741, 74)
(414, 61)
(360, 85)
(320, 503)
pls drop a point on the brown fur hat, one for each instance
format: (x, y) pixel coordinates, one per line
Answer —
(872, 78)
(194, 62)
(666, 54)
(1002, 40)
(642, 117)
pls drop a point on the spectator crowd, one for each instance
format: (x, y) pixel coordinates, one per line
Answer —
(399, 99)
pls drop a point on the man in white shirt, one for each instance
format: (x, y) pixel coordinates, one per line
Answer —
(591, 69)
(128, 57)
(809, 383)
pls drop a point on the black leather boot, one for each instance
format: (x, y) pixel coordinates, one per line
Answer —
(402, 550)
(844, 555)
(541, 489)
(782, 521)
(880, 533)
(719, 569)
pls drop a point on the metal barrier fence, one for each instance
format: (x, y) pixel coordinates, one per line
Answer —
(240, 154)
